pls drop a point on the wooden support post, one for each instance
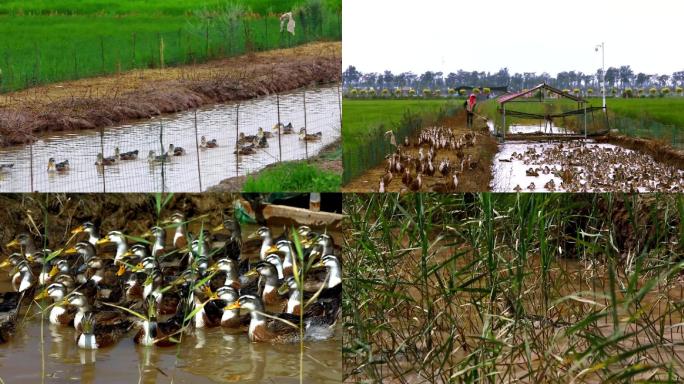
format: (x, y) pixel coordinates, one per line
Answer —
(585, 120)
(503, 123)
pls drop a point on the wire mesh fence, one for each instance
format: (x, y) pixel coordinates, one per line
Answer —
(39, 59)
(185, 152)
(650, 129)
(356, 160)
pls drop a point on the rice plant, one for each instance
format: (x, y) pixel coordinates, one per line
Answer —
(513, 288)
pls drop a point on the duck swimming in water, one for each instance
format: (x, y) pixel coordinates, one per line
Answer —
(60, 167)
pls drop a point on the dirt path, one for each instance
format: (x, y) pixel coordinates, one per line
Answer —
(477, 179)
(103, 101)
(323, 161)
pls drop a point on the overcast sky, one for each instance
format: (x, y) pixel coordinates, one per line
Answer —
(523, 35)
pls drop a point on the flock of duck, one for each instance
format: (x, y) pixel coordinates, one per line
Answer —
(411, 169)
(246, 145)
(159, 291)
(582, 167)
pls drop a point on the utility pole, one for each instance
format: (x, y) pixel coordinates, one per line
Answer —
(603, 71)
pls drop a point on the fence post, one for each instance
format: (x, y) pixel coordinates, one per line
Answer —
(237, 138)
(102, 56)
(199, 171)
(31, 159)
(280, 129)
(306, 142)
(104, 173)
(266, 33)
(339, 103)
(163, 159)
(206, 37)
(161, 51)
(133, 50)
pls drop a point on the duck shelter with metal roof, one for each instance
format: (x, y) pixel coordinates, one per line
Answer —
(541, 94)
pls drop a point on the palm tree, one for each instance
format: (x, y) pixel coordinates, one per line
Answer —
(437, 92)
(486, 90)
(590, 91)
(385, 92)
(679, 91)
(628, 93)
(451, 92)
(398, 92)
(566, 91)
(640, 92)
(354, 92)
(412, 92)
(426, 92)
(461, 91)
(576, 91)
(653, 91)
(665, 91)
(476, 91)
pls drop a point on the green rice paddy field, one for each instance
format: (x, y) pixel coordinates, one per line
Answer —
(51, 41)
(363, 117)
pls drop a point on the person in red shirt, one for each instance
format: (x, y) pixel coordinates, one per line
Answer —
(470, 108)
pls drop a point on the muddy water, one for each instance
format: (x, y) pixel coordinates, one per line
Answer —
(589, 166)
(204, 356)
(539, 128)
(507, 175)
(181, 173)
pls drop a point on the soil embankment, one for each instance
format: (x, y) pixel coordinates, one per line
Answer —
(104, 101)
(476, 179)
(660, 151)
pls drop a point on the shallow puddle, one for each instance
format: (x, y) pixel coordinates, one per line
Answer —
(181, 173)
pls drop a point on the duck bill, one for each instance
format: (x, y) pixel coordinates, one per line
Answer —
(211, 295)
(5, 264)
(253, 235)
(283, 289)
(220, 227)
(12, 243)
(138, 267)
(272, 249)
(318, 265)
(252, 273)
(146, 234)
(104, 240)
(122, 270)
(71, 251)
(235, 305)
(77, 230)
(43, 294)
(53, 271)
(306, 243)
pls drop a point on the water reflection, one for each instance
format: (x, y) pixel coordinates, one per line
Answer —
(181, 173)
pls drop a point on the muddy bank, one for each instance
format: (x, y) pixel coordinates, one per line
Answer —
(476, 179)
(324, 161)
(660, 151)
(106, 101)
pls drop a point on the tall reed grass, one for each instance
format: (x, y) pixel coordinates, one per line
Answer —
(513, 288)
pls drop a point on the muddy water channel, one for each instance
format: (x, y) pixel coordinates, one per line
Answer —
(212, 355)
(198, 169)
(579, 166)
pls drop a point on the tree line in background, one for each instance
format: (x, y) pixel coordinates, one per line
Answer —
(622, 81)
